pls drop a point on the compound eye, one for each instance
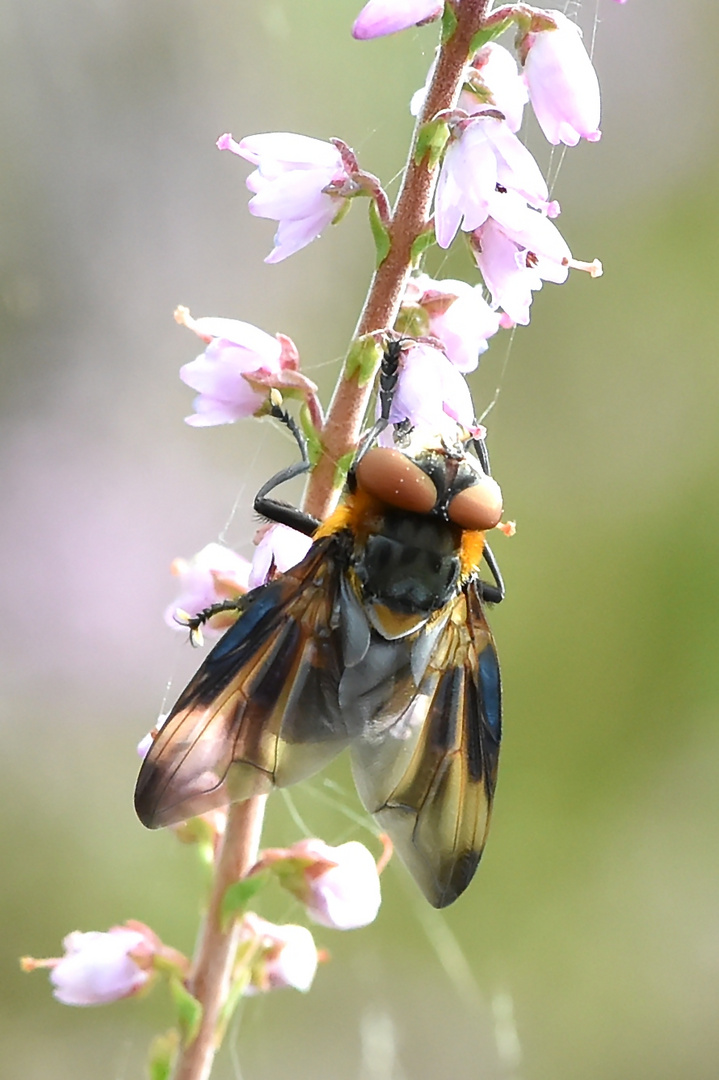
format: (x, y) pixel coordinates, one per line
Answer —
(477, 507)
(395, 479)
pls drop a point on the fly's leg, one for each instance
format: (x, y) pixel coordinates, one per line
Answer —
(281, 512)
(493, 594)
(388, 376)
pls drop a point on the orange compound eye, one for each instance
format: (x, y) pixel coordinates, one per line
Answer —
(392, 477)
(477, 507)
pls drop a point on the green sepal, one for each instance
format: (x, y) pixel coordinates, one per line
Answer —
(431, 141)
(412, 321)
(189, 1010)
(312, 435)
(363, 359)
(240, 894)
(449, 23)
(489, 34)
(342, 468)
(421, 243)
(343, 210)
(163, 1051)
(199, 832)
(380, 233)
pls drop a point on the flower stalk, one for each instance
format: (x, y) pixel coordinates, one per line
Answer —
(345, 416)
(211, 972)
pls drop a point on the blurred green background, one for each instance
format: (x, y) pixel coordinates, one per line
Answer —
(588, 945)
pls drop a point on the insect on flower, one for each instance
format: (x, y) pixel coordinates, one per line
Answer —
(376, 640)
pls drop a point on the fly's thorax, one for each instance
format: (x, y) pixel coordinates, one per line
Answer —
(411, 564)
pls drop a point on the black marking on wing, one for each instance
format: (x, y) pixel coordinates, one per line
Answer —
(429, 778)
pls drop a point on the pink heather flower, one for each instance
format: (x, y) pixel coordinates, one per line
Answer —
(458, 315)
(235, 349)
(431, 394)
(516, 253)
(496, 83)
(484, 154)
(214, 574)
(562, 83)
(280, 956)
(98, 968)
(380, 17)
(339, 886)
(289, 183)
(279, 548)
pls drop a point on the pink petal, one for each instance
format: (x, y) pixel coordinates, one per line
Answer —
(96, 968)
(292, 236)
(562, 83)
(347, 895)
(380, 17)
(296, 195)
(265, 346)
(209, 411)
(465, 326)
(280, 151)
(498, 70)
(280, 547)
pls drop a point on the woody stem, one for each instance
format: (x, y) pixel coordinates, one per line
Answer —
(211, 971)
(410, 218)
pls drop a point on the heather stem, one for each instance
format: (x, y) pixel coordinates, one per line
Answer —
(411, 213)
(212, 965)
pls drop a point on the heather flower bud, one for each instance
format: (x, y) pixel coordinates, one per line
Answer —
(339, 886)
(457, 315)
(380, 17)
(277, 956)
(99, 968)
(562, 83)
(493, 79)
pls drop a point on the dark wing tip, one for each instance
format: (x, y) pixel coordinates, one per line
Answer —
(146, 800)
(159, 802)
(449, 888)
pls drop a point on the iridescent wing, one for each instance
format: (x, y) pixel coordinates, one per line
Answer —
(429, 775)
(263, 708)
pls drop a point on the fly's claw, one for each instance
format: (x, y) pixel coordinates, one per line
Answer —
(194, 623)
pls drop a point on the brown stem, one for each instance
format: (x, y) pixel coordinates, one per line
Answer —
(346, 413)
(214, 957)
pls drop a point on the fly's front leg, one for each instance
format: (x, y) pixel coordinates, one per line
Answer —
(493, 594)
(281, 512)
